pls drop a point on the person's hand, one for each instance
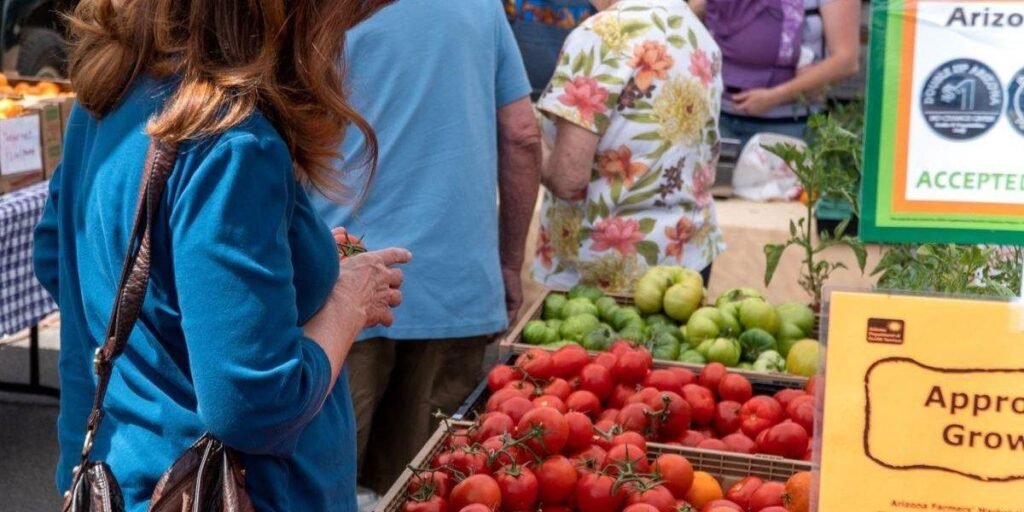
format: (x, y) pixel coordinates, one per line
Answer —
(756, 101)
(513, 293)
(348, 244)
(370, 284)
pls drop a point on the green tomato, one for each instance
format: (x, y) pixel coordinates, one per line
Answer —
(725, 351)
(759, 313)
(560, 344)
(599, 339)
(800, 315)
(700, 328)
(789, 334)
(664, 346)
(633, 333)
(770, 362)
(682, 300)
(555, 324)
(710, 313)
(582, 291)
(578, 307)
(606, 306)
(648, 296)
(534, 332)
(551, 335)
(803, 358)
(737, 295)
(692, 357)
(745, 366)
(702, 349)
(576, 327)
(623, 316)
(756, 341)
(658, 319)
(553, 305)
(730, 326)
(672, 330)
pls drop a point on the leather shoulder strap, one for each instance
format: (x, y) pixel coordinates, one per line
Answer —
(131, 291)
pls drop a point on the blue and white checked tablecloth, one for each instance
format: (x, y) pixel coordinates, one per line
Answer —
(23, 301)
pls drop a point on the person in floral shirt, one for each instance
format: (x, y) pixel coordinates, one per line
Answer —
(632, 114)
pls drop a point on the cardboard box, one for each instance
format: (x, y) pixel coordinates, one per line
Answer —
(21, 149)
(51, 136)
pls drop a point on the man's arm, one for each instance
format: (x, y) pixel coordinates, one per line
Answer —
(519, 161)
(567, 172)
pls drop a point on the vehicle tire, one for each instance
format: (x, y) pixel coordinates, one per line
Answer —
(43, 52)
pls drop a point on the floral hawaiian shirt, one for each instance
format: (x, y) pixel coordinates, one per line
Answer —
(645, 76)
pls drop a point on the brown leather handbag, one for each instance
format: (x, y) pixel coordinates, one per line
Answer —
(208, 476)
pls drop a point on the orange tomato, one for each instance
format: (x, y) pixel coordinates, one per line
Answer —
(3, 79)
(704, 490)
(23, 88)
(48, 89)
(798, 492)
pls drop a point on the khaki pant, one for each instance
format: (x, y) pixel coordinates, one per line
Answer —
(396, 387)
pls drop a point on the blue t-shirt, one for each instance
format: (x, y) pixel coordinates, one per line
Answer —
(240, 261)
(429, 76)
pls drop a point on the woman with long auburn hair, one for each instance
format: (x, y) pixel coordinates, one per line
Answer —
(247, 320)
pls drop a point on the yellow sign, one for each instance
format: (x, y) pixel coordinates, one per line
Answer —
(924, 405)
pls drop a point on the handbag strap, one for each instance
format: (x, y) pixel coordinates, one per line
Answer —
(131, 291)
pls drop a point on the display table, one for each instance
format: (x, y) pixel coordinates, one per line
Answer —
(23, 301)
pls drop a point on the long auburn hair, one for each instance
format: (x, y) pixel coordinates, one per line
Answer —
(232, 57)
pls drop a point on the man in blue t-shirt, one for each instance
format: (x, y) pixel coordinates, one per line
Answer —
(443, 84)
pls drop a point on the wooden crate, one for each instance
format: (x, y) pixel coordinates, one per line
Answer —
(512, 343)
(729, 468)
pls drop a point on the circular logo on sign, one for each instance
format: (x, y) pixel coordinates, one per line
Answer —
(962, 99)
(1015, 110)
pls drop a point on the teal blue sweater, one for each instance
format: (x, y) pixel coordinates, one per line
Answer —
(240, 262)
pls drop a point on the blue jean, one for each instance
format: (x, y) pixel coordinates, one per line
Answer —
(743, 128)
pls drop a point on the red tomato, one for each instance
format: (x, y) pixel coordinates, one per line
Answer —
(500, 397)
(555, 508)
(633, 438)
(581, 431)
(635, 417)
(741, 491)
(592, 459)
(469, 461)
(632, 366)
(727, 417)
(585, 402)
(685, 376)
(735, 387)
(606, 359)
(568, 361)
(550, 427)
(711, 376)
(559, 388)
(676, 472)
(459, 439)
(801, 410)
(664, 380)
(596, 379)
(431, 504)
(713, 444)
(721, 506)
(786, 395)
(739, 443)
(536, 363)
(608, 414)
(525, 389)
(550, 401)
(814, 384)
(493, 424)
(480, 489)
(691, 438)
(502, 455)
(620, 395)
(702, 404)
(556, 478)
(769, 494)
(500, 376)
(437, 482)
(605, 425)
(515, 408)
(758, 414)
(518, 487)
(642, 396)
(640, 507)
(657, 496)
(476, 507)
(774, 508)
(594, 493)
(671, 415)
(621, 347)
(787, 439)
(627, 456)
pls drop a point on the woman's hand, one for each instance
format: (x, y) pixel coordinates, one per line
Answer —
(369, 284)
(757, 101)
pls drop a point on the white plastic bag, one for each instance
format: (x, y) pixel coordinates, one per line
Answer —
(762, 176)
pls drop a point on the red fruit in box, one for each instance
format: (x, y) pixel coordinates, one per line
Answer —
(787, 439)
(568, 361)
(551, 426)
(664, 380)
(501, 375)
(536, 363)
(620, 395)
(598, 493)
(739, 443)
(685, 376)
(727, 417)
(596, 379)
(620, 347)
(500, 397)
(585, 402)
(626, 455)
(515, 408)
(606, 359)
(559, 388)
(787, 395)
(711, 376)
(721, 506)
(642, 396)
(769, 494)
(592, 458)
(656, 496)
(713, 444)
(702, 404)
(671, 415)
(581, 431)
(691, 438)
(801, 410)
(493, 424)
(635, 417)
(518, 487)
(735, 387)
(632, 366)
(633, 438)
(676, 472)
(758, 414)
(550, 401)
(557, 478)
(741, 492)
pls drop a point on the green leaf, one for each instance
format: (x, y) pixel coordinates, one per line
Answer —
(603, 208)
(622, 212)
(616, 191)
(642, 118)
(647, 225)
(792, 228)
(639, 198)
(577, 63)
(861, 252)
(609, 79)
(692, 36)
(610, 63)
(591, 212)
(648, 136)
(647, 180)
(675, 21)
(559, 80)
(657, 22)
(642, 105)
(773, 254)
(634, 28)
(676, 41)
(636, 8)
(588, 63)
(604, 51)
(658, 153)
(649, 250)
